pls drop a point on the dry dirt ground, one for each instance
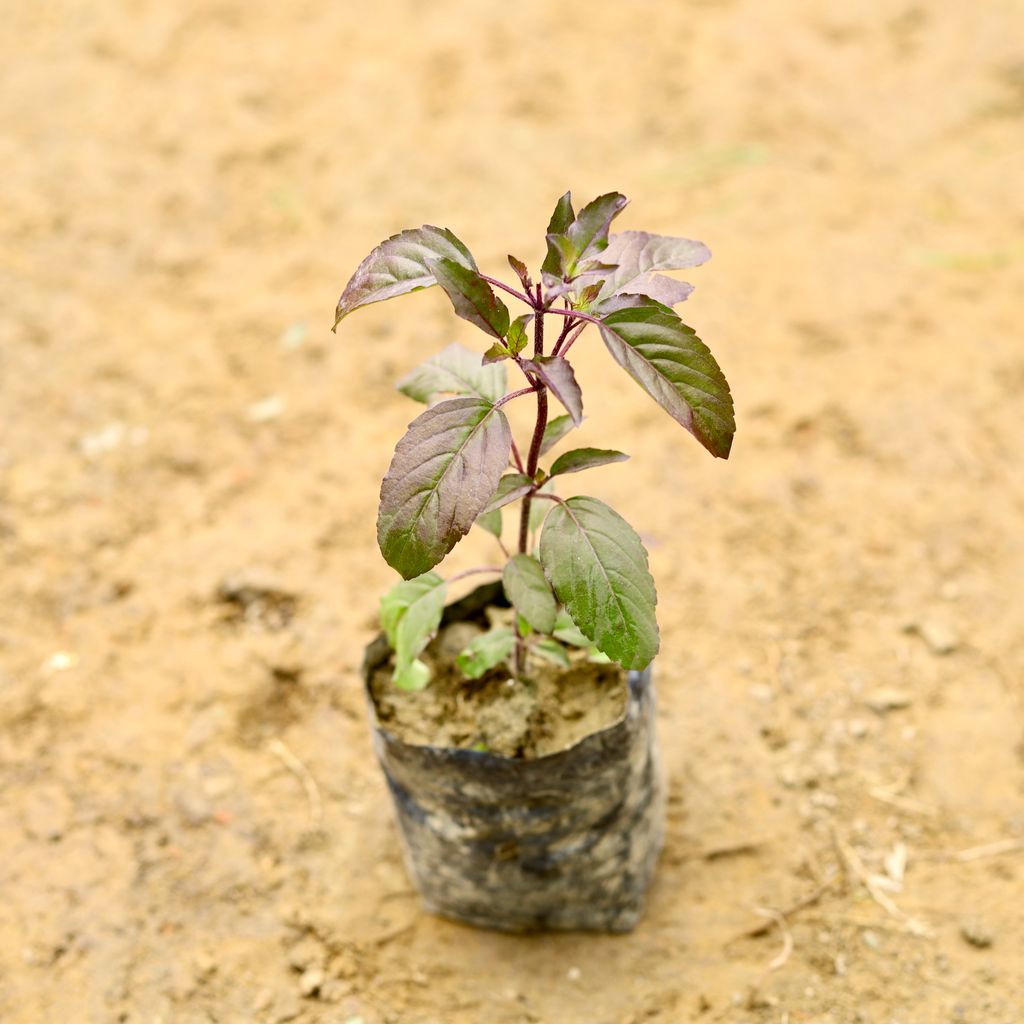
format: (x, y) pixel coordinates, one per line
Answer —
(192, 826)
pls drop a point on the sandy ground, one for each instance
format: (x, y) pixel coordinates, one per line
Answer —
(192, 825)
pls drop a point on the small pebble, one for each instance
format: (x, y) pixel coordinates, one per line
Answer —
(310, 982)
(573, 974)
(940, 638)
(887, 698)
(976, 933)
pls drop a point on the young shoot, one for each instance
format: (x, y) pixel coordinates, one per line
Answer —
(577, 575)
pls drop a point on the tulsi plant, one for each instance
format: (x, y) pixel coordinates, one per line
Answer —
(585, 583)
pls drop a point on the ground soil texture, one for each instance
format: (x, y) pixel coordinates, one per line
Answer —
(193, 826)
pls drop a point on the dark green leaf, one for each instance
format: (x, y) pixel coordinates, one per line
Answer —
(491, 522)
(598, 568)
(580, 459)
(472, 296)
(442, 476)
(639, 254)
(557, 374)
(558, 225)
(588, 233)
(522, 273)
(511, 487)
(675, 368)
(553, 651)
(399, 265)
(454, 370)
(529, 592)
(554, 432)
(486, 651)
(410, 614)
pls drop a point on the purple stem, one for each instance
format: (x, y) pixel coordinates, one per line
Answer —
(504, 287)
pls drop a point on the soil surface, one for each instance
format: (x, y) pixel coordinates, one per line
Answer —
(193, 825)
(549, 710)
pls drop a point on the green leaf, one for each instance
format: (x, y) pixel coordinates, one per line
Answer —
(539, 509)
(491, 522)
(413, 676)
(568, 632)
(511, 487)
(579, 459)
(558, 225)
(552, 650)
(598, 568)
(529, 592)
(396, 602)
(486, 651)
(556, 372)
(554, 432)
(639, 254)
(669, 361)
(517, 338)
(442, 476)
(495, 354)
(522, 273)
(588, 233)
(454, 370)
(399, 265)
(473, 298)
(410, 614)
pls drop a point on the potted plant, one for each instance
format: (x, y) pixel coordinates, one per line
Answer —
(515, 727)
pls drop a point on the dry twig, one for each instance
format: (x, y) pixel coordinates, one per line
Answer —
(302, 773)
(996, 849)
(856, 867)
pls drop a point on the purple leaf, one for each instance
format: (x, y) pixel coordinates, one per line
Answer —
(472, 296)
(399, 265)
(522, 273)
(639, 254)
(442, 476)
(558, 375)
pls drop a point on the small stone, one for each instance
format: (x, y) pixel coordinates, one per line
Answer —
(266, 409)
(976, 933)
(205, 965)
(310, 982)
(573, 974)
(858, 728)
(887, 698)
(939, 636)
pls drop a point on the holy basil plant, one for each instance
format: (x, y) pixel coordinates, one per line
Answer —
(578, 575)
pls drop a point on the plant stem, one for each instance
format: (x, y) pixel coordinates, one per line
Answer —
(531, 465)
(474, 572)
(516, 457)
(513, 394)
(574, 313)
(505, 288)
(564, 345)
